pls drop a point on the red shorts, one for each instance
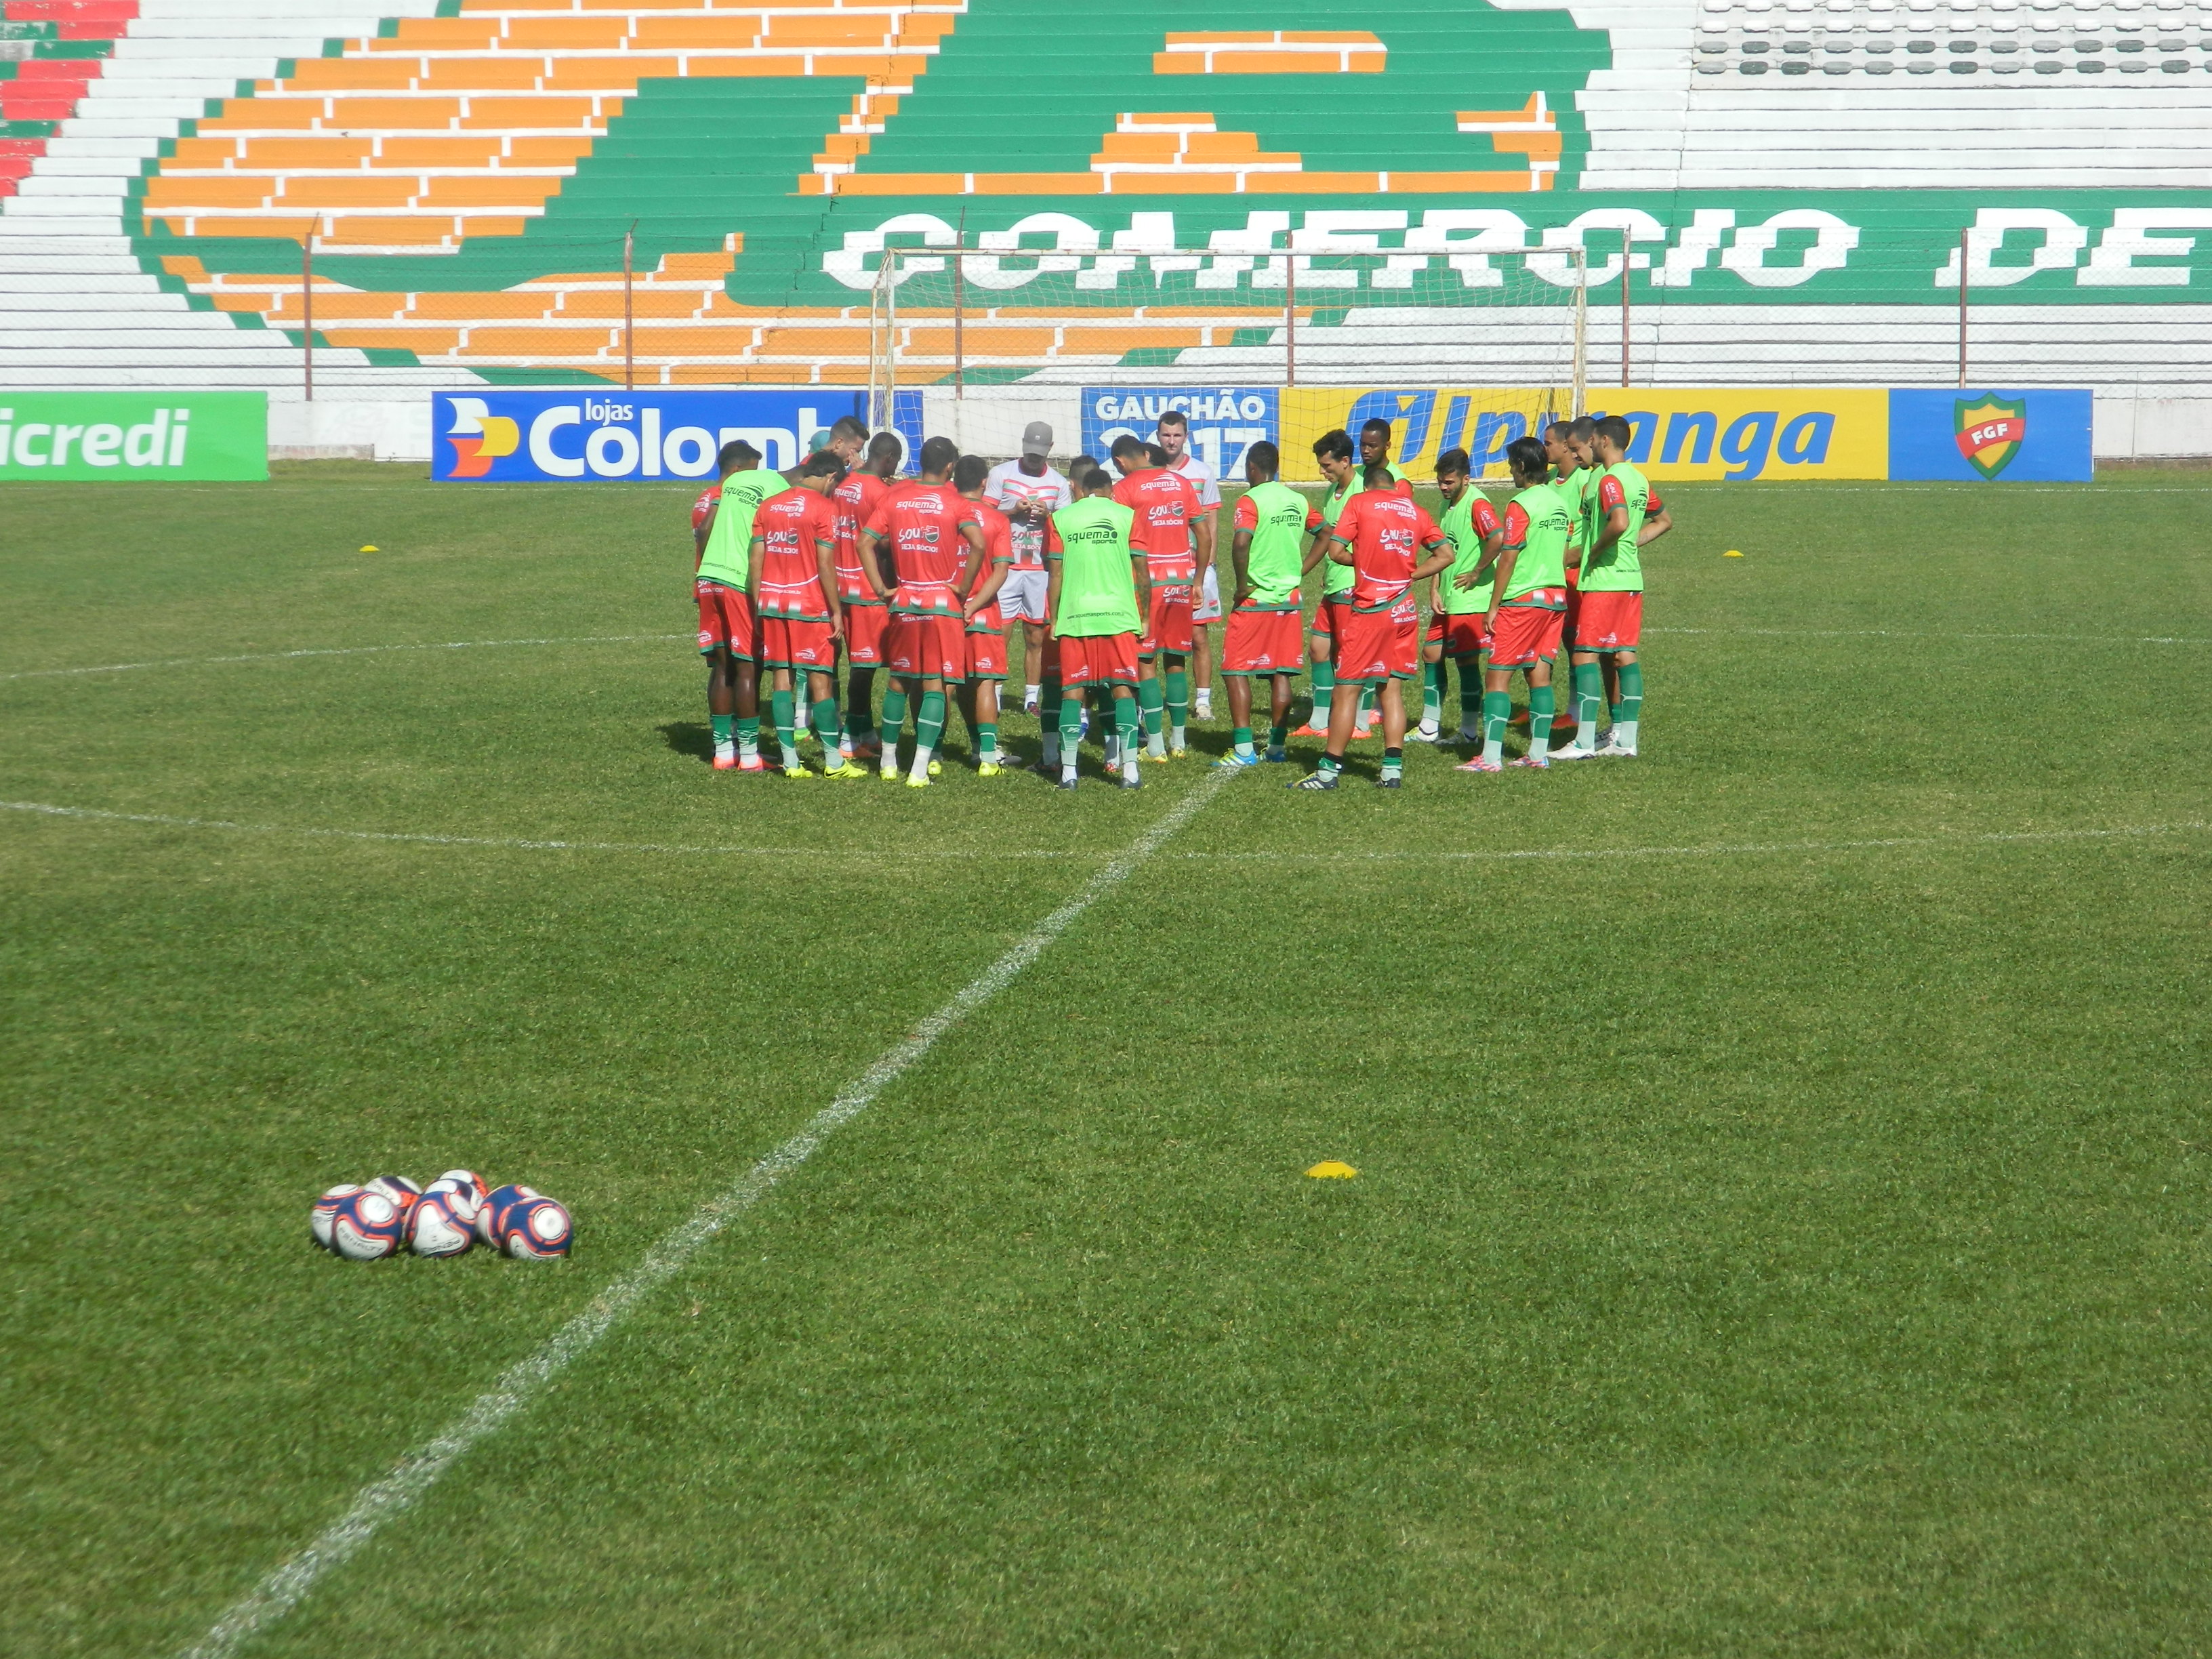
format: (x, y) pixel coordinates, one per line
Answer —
(1574, 611)
(987, 655)
(1609, 621)
(1379, 645)
(1525, 633)
(797, 642)
(864, 628)
(1170, 628)
(1435, 632)
(1097, 660)
(1463, 635)
(1262, 642)
(1330, 614)
(725, 621)
(927, 646)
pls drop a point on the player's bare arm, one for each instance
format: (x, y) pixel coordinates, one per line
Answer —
(1616, 527)
(1339, 550)
(1441, 554)
(1655, 527)
(1491, 545)
(872, 552)
(825, 563)
(754, 558)
(1504, 580)
(1240, 558)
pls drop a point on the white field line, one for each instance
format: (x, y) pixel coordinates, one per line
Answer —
(333, 651)
(1899, 634)
(515, 843)
(1722, 849)
(386, 1499)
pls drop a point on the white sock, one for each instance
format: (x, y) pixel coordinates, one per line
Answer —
(1204, 697)
(1031, 693)
(1129, 768)
(749, 748)
(1156, 743)
(726, 748)
(1068, 769)
(799, 719)
(1494, 750)
(1586, 732)
(921, 762)
(1178, 739)
(1623, 734)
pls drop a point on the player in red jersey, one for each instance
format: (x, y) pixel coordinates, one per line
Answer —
(793, 587)
(866, 617)
(935, 542)
(1383, 535)
(1165, 503)
(987, 623)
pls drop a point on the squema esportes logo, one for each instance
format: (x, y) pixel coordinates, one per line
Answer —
(1991, 431)
(141, 437)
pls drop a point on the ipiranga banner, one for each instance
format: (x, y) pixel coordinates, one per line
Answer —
(111, 437)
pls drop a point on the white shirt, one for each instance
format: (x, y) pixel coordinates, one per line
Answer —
(1201, 477)
(1008, 487)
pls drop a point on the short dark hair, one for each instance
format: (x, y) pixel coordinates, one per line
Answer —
(1527, 455)
(849, 426)
(1335, 445)
(1455, 460)
(1128, 443)
(888, 442)
(1156, 455)
(939, 455)
(1171, 418)
(1377, 475)
(1080, 467)
(1375, 423)
(1097, 480)
(1561, 425)
(736, 453)
(1265, 456)
(970, 473)
(822, 464)
(1582, 428)
(1616, 431)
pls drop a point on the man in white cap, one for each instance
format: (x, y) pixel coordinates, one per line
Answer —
(1029, 491)
(1172, 433)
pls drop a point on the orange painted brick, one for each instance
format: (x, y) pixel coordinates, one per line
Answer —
(484, 74)
(489, 225)
(570, 34)
(352, 75)
(527, 307)
(498, 113)
(764, 68)
(547, 152)
(481, 192)
(540, 342)
(274, 154)
(368, 191)
(604, 74)
(265, 114)
(723, 31)
(165, 194)
(413, 231)
(437, 153)
(389, 114)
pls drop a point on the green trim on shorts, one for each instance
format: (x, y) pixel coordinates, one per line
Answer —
(1259, 673)
(1377, 679)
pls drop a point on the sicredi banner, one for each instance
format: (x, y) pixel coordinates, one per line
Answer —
(126, 437)
(1224, 421)
(1734, 435)
(577, 437)
(1991, 437)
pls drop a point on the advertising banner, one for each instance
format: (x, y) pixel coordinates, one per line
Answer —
(1734, 435)
(1991, 437)
(1224, 421)
(578, 436)
(123, 437)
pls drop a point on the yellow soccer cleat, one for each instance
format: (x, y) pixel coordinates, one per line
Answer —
(917, 783)
(989, 770)
(846, 770)
(890, 774)
(799, 773)
(1178, 754)
(936, 767)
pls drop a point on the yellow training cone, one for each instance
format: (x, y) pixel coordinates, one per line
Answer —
(1332, 1171)
(370, 549)
(1731, 554)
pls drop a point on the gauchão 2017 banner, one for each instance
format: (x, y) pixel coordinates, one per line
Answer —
(134, 437)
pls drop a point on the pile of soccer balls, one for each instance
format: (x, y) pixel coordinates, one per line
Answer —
(450, 1216)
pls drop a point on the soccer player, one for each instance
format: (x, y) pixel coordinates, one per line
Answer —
(1528, 606)
(1463, 592)
(1375, 447)
(1028, 491)
(728, 637)
(1333, 453)
(986, 663)
(1172, 431)
(1382, 534)
(1262, 638)
(794, 588)
(1578, 471)
(1165, 503)
(1629, 516)
(936, 546)
(1099, 593)
(866, 617)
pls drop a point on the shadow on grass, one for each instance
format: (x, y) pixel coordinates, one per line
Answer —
(690, 738)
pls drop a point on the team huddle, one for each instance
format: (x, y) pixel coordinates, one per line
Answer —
(1111, 576)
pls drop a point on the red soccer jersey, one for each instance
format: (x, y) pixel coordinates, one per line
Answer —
(1483, 516)
(704, 505)
(1165, 503)
(997, 548)
(855, 503)
(1387, 532)
(790, 528)
(922, 523)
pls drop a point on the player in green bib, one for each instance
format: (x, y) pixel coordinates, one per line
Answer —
(1461, 607)
(721, 575)
(1262, 635)
(1098, 589)
(1626, 517)
(1528, 606)
(1333, 455)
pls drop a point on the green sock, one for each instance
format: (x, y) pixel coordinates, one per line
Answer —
(894, 722)
(928, 727)
(1324, 692)
(1152, 702)
(1048, 717)
(748, 735)
(1589, 696)
(1542, 705)
(825, 723)
(1432, 692)
(1277, 736)
(859, 705)
(780, 704)
(1631, 703)
(721, 723)
(1496, 709)
(1127, 716)
(1367, 703)
(987, 742)
(1071, 732)
(1178, 697)
(1470, 697)
(1393, 762)
(1240, 739)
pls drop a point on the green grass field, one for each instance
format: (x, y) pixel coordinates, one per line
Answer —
(1781, 1225)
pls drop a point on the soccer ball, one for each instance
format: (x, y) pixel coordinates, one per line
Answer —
(399, 1189)
(367, 1227)
(537, 1228)
(492, 1214)
(438, 1228)
(462, 1181)
(319, 1218)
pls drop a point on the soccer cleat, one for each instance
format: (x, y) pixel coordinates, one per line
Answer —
(1277, 757)
(726, 762)
(987, 769)
(1067, 783)
(890, 774)
(751, 763)
(1234, 762)
(1159, 759)
(1479, 765)
(1424, 734)
(1563, 723)
(1309, 730)
(868, 749)
(1029, 705)
(1612, 749)
(917, 783)
(1178, 754)
(1316, 781)
(1389, 783)
(1533, 762)
(1204, 705)
(848, 770)
(1130, 782)
(936, 767)
(1573, 752)
(1466, 736)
